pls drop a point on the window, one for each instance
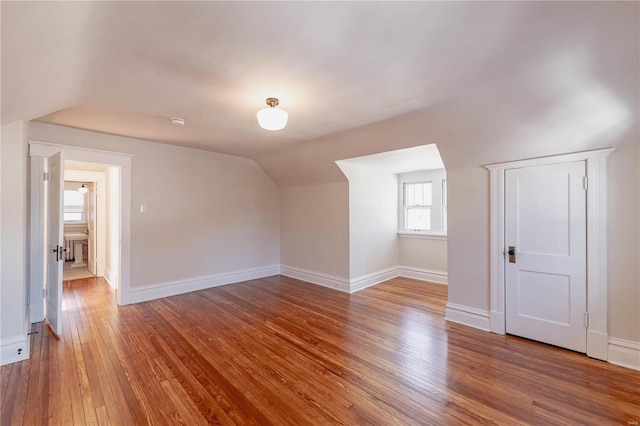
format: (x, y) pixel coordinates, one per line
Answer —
(417, 206)
(423, 203)
(73, 206)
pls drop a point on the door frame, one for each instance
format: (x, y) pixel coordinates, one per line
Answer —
(596, 171)
(37, 152)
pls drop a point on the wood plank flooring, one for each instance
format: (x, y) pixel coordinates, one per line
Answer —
(277, 351)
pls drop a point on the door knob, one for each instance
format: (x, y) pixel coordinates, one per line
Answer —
(512, 254)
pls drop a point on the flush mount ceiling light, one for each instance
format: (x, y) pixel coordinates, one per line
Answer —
(272, 118)
(177, 121)
(83, 189)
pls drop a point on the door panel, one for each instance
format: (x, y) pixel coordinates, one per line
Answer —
(55, 240)
(545, 220)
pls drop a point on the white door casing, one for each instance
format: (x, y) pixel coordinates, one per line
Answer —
(91, 225)
(545, 240)
(55, 240)
(596, 167)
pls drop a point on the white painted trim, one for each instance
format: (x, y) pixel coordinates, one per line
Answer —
(368, 280)
(440, 277)
(313, 277)
(9, 349)
(37, 250)
(625, 353)
(596, 242)
(466, 315)
(415, 235)
(172, 288)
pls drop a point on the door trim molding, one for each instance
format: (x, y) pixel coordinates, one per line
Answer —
(596, 162)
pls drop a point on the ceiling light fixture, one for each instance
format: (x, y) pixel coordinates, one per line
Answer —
(272, 118)
(83, 189)
(177, 121)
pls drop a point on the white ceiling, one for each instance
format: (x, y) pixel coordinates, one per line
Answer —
(126, 68)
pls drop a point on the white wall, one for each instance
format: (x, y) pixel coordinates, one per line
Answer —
(315, 228)
(208, 215)
(373, 219)
(14, 322)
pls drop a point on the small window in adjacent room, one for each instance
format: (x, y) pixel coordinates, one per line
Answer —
(423, 203)
(73, 206)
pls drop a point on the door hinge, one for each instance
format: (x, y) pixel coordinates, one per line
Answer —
(45, 176)
(45, 293)
(585, 182)
(586, 320)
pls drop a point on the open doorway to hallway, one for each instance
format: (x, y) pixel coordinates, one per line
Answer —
(91, 221)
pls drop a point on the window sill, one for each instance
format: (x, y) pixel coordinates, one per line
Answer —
(422, 236)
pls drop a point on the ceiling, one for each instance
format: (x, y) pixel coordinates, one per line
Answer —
(126, 68)
(417, 158)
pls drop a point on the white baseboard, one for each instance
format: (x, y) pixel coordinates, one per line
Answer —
(313, 277)
(14, 349)
(172, 288)
(625, 353)
(465, 315)
(374, 278)
(440, 277)
(110, 278)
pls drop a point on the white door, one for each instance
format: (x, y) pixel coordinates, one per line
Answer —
(91, 222)
(55, 240)
(545, 229)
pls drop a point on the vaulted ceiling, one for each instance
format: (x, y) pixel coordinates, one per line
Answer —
(126, 68)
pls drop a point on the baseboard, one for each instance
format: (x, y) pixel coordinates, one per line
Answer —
(313, 277)
(13, 350)
(465, 315)
(110, 278)
(374, 278)
(172, 288)
(440, 277)
(625, 353)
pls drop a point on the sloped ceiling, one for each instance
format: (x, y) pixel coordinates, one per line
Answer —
(126, 68)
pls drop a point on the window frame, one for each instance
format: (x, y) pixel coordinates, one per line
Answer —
(437, 178)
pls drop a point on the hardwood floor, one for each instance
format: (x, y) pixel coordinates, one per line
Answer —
(279, 351)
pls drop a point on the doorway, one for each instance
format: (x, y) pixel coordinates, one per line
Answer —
(45, 287)
(85, 223)
(595, 315)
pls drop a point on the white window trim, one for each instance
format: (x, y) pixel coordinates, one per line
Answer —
(435, 177)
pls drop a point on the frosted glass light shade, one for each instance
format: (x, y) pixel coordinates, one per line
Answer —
(83, 189)
(272, 118)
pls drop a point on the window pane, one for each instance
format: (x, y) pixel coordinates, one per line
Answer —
(72, 216)
(417, 194)
(73, 198)
(418, 219)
